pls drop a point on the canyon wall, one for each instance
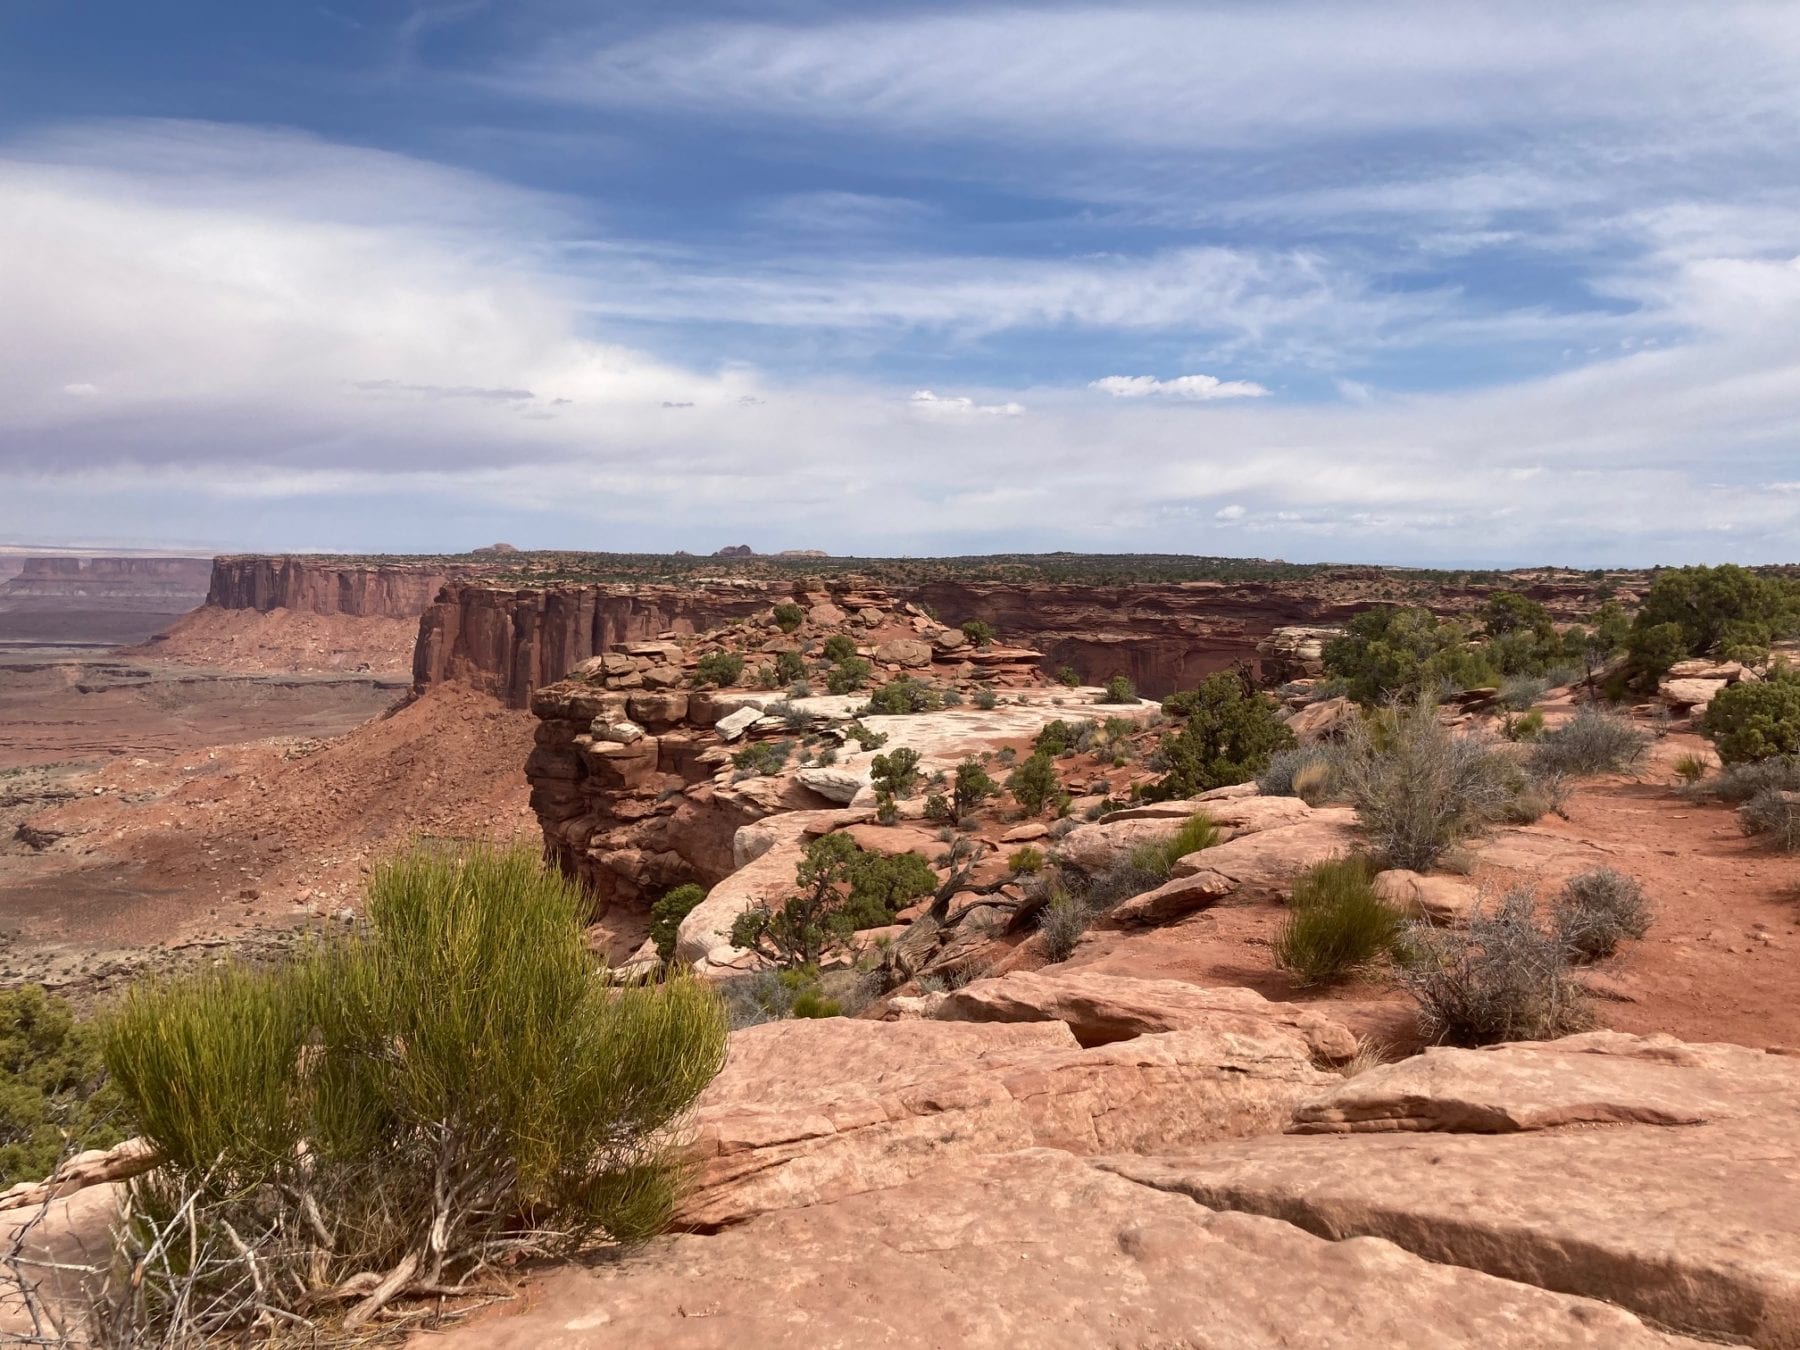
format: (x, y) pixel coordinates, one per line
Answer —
(145, 585)
(1164, 635)
(357, 589)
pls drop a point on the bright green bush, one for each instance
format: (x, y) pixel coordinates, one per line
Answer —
(1395, 653)
(903, 694)
(718, 668)
(54, 1094)
(666, 916)
(1026, 860)
(1034, 782)
(1337, 924)
(848, 675)
(1118, 689)
(1752, 721)
(789, 616)
(973, 786)
(1228, 736)
(839, 647)
(896, 773)
(465, 1083)
(978, 632)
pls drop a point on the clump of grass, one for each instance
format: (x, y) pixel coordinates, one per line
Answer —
(1691, 768)
(1597, 910)
(1500, 978)
(1062, 922)
(1337, 924)
(1308, 772)
(1026, 860)
(1592, 742)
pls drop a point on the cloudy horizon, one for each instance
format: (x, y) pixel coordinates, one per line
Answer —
(1418, 283)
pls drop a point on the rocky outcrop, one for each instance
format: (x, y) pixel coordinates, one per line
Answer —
(811, 1111)
(144, 585)
(1658, 1176)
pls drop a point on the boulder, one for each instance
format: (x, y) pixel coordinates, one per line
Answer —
(1035, 1249)
(834, 782)
(1100, 1009)
(1661, 1177)
(909, 652)
(1322, 721)
(659, 709)
(734, 724)
(1689, 693)
(1024, 834)
(808, 1111)
(1441, 900)
(1176, 898)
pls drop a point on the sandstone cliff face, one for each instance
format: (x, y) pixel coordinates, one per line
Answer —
(1165, 636)
(305, 585)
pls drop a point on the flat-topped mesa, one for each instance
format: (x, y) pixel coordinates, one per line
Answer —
(362, 589)
(632, 777)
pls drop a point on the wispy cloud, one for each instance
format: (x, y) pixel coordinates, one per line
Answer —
(1196, 387)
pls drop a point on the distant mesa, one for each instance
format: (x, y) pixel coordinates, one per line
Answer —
(803, 553)
(736, 551)
(495, 549)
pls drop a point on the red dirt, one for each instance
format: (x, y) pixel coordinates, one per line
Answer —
(228, 840)
(285, 640)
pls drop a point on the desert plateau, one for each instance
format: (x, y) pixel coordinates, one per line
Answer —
(782, 675)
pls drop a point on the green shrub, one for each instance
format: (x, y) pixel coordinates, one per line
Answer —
(903, 694)
(1034, 782)
(1026, 860)
(1499, 978)
(1703, 611)
(54, 1094)
(864, 738)
(1591, 742)
(1059, 737)
(1756, 720)
(1337, 924)
(1118, 689)
(978, 632)
(722, 669)
(937, 807)
(1393, 653)
(1691, 768)
(1519, 692)
(1227, 737)
(895, 774)
(848, 675)
(1068, 677)
(1418, 787)
(465, 1035)
(841, 889)
(973, 786)
(789, 616)
(789, 667)
(839, 647)
(666, 916)
(986, 699)
(1773, 815)
(1597, 910)
(1526, 727)
(1196, 832)
(761, 757)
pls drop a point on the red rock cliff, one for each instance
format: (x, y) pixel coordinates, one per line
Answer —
(372, 590)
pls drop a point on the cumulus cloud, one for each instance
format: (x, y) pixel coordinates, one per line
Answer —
(1197, 387)
(940, 405)
(1232, 512)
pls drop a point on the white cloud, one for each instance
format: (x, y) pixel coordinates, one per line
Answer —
(1182, 386)
(81, 389)
(1232, 512)
(939, 405)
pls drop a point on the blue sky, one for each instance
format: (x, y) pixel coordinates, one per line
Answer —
(1431, 282)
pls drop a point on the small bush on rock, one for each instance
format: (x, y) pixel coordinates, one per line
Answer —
(1026, 860)
(973, 786)
(1337, 924)
(978, 632)
(1034, 782)
(986, 699)
(1062, 923)
(1118, 689)
(54, 1095)
(839, 647)
(1286, 770)
(1591, 742)
(1068, 677)
(666, 916)
(1227, 737)
(896, 773)
(722, 669)
(789, 616)
(1500, 978)
(841, 889)
(760, 758)
(848, 675)
(789, 666)
(1597, 910)
(903, 694)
